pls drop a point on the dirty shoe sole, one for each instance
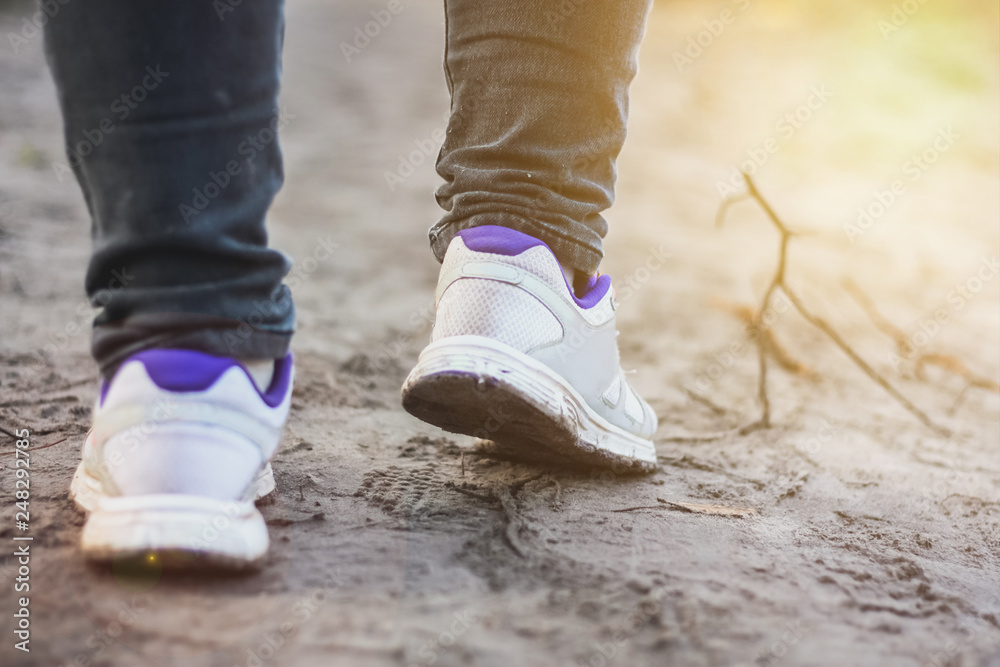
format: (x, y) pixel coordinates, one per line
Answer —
(180, 531)
(480, 387)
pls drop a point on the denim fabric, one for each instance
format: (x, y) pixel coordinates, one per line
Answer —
(170, 112)
(171, 121)
(538, 110)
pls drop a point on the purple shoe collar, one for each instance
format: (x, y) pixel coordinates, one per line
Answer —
(510, 242)
(189, 370)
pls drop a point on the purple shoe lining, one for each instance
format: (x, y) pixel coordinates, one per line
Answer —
(498, 240)
(510, 242)
(596, 288)
(190, 370)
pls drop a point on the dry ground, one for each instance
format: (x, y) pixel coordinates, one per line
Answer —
(875, 541)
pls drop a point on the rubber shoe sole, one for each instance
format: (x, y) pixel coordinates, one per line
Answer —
(179, 531)
(480, 387)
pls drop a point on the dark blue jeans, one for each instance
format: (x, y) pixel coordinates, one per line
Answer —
(171, 125)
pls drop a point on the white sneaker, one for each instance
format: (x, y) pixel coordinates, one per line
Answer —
(180, 449)
(517, 358)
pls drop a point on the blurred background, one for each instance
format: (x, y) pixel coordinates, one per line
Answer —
(873, 128)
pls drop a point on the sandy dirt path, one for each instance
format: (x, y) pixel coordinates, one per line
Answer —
(875, 540)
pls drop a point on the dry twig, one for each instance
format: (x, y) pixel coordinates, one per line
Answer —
(765, 337)
(34, 449)
(906, 350)
(778, 282)
(694, 508)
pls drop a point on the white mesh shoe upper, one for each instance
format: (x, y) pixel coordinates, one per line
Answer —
(209, 443)
(523, 301)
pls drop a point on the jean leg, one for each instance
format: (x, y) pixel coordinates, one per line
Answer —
(539, 106)
(171, 118)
